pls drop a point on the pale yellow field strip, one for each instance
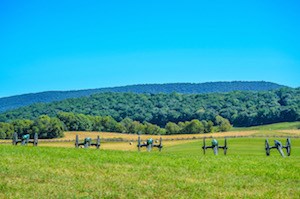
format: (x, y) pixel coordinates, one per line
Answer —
(107, 135)
(123, 146)
(70, 137)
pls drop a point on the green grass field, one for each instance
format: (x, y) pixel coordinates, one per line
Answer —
(179, 171)
(270, 127)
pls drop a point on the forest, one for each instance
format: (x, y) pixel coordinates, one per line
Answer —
(241, 108)
(9, 103)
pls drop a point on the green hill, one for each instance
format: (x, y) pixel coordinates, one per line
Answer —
(9, 103)
(242, 109)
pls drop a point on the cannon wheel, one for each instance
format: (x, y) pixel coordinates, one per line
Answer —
(77, 142)
(288, 146)
(139, 143)
(15, 139)
(267, 146)
(225, 147)
(35, 139)
(160, 144)
(98, 142)
(204, 146)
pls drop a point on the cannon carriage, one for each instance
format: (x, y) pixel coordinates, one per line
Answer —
(149, 144)
(278, 145)
(87, 142)
(215, 146)
(25, 139)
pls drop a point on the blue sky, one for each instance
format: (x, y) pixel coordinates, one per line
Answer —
(67, 45)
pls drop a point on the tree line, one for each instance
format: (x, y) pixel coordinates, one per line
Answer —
(47, 127)
(242, 109)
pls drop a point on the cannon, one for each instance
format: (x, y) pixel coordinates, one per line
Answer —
(149, 144)
(278, 145)
(25, 139)
(215, 146)
(87, 142)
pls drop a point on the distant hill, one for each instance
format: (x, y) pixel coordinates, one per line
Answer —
(9, 103)
(241, 108)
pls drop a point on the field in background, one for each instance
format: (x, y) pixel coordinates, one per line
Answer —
(121, 141)
(278, 129)
(128, 141)
(270, 127)
(123, 146)
(106, 135)
(179, 171)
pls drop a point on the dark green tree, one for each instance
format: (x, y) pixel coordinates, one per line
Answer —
(47, 127)
(223, 124)
(23, 127)
(172, 128)
(6, 130)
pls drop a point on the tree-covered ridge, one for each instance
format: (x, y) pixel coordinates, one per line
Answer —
(240, 108)
(9, 103)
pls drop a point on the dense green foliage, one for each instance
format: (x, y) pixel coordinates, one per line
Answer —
(6, 130)
(47, 127)
(240, 108)
(179, 171)
(44, 126)
(13, 102)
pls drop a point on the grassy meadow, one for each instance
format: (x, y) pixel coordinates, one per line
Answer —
(287, 129)
(58, 170)
(272, 127)
(179, 171)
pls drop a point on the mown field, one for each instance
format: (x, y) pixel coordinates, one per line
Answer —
(272, 127)
(287, 129)
(179, 171)
(169, 140)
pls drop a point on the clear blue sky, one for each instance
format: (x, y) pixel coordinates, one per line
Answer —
(69, 44)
